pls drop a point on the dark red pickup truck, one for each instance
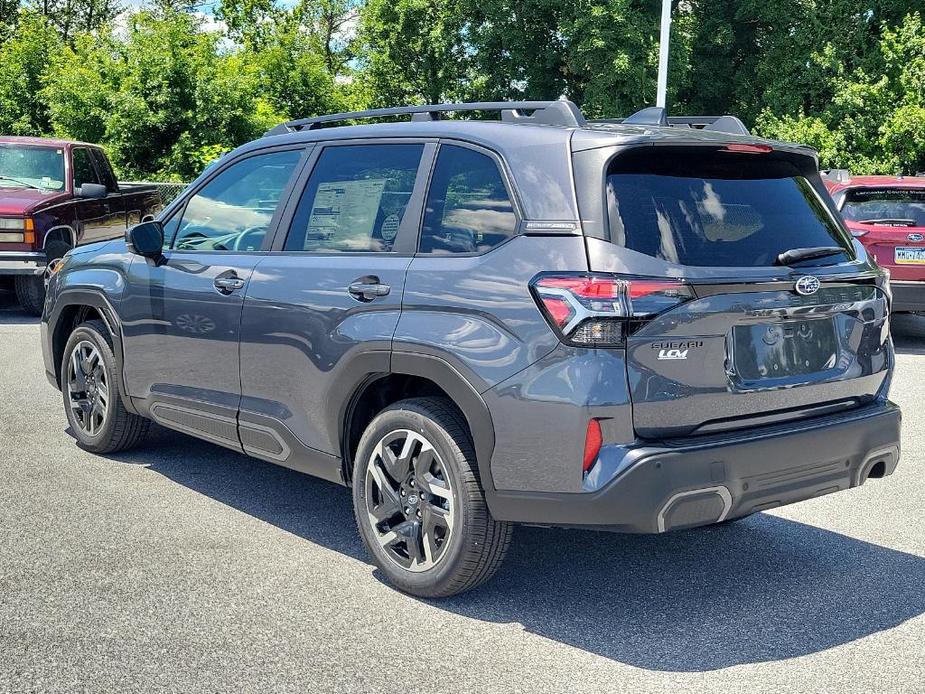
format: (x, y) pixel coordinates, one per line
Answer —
(54, 195)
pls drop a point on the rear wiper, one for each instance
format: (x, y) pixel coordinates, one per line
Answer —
(891, 221)
(795, 255)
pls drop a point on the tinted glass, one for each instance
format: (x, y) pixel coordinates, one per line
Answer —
(718, 210)
(31, 167)
(468, 208)
(355, 199)
(109, 178)
(893, 206)
(233, 211)
(83, 167)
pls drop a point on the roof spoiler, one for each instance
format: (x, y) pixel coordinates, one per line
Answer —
(658, 116)
(559, 112)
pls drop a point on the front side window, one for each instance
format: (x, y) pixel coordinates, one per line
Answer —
(902, 207)
(109, 178)
(233, 211)
(717, 209)
(28, 166)
(468, 208)
(355, 199)
(83, 167)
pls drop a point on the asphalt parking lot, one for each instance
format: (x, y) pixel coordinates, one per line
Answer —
(184, 567)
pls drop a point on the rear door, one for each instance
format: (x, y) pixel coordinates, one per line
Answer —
(736, 335)
(322, 306)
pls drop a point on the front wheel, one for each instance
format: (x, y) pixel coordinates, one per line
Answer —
(30, 292)
(92, 401)
(418, 502)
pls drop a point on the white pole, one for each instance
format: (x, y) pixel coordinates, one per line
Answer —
(663, 53)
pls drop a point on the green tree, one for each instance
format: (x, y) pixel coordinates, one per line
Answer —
(23, 61)
(413, 51)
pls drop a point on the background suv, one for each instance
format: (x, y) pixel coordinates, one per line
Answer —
(637, 326)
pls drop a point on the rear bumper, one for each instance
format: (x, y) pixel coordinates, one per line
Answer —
(706, 480)
(22, 263)
(907, 296)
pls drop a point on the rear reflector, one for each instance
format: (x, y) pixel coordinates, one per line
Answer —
(597, 309)
(593, 441)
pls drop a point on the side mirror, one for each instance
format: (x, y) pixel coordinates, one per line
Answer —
(146, 239)
(93, 191)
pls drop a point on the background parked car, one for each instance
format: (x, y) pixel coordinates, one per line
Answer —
(887, 214)
(54, 195)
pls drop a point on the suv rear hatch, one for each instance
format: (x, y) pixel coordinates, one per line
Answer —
(724, 328)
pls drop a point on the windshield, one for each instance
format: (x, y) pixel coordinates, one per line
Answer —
(717, 210)
(31, 166)
(888, 205)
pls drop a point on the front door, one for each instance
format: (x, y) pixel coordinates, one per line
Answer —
(322, 306)
(97, 218)
(181, 317)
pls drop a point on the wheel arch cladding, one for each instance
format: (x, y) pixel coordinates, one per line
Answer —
(415, 375)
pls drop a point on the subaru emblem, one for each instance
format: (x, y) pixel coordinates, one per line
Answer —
(807, 285)
(915, 237)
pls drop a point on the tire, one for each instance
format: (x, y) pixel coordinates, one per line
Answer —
(97, 429)
(30, 292)
(470, 546)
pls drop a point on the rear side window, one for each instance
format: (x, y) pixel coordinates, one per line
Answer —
(468, 208)
(889, 206)
(718, 209)
(355, 199)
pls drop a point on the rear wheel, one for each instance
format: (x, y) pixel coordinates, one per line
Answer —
(418, 502)
(92, 400)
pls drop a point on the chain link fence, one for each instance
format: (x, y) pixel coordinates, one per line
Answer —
(167, 191)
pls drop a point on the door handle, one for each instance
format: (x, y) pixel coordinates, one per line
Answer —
(226, 285)
(368, 289)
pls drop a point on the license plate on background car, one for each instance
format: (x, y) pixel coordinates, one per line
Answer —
(914, 256)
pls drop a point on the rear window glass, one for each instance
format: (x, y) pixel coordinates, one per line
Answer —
(718, 209)
(891, 206)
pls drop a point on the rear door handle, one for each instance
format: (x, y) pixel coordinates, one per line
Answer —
(227, 284)
(368, 290)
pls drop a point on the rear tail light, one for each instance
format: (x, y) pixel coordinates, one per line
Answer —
(858, 233)
(601, 310)
(748, 149)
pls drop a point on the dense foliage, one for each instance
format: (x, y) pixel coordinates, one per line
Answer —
(167, 87)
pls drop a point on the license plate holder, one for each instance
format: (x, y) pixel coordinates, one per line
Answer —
(784, 350)
(909, 255)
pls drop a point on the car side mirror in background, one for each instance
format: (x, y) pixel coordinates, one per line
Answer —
(93, 191)
(146, 239)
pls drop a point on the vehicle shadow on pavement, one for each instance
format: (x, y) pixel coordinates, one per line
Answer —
(908, 332)
(11, 313)
(759, 590)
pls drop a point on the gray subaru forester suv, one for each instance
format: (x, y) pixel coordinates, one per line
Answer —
(639, 326)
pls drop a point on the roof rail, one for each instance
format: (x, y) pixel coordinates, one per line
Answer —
(560, 112)
(657, 116)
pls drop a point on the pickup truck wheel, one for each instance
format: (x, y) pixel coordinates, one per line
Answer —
(92, 399)
(418, 502)
(30, 292)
